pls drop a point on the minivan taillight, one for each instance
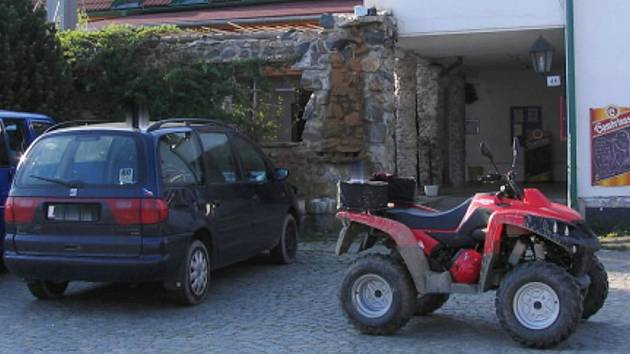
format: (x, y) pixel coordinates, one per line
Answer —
(153, 211)
(138, 211)
(19, 210)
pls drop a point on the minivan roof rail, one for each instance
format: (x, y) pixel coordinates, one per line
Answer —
(72, 123)
(188, 121)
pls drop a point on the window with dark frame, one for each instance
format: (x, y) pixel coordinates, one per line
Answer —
(524, 120)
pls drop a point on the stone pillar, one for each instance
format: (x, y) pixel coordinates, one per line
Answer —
(428, 109)
(406, 125)
(456, 118)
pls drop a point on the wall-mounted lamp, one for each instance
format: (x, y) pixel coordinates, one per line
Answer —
(541, 54)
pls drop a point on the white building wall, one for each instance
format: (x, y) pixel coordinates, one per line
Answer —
(498, 91)
(602, 74)
(429, 17)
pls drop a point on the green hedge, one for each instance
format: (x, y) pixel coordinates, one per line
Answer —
(109, 72)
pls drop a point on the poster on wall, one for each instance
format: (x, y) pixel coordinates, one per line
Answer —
(610, 146)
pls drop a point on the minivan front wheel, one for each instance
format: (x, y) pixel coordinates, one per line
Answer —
(47, 290)
(286, 249)
(194, 278)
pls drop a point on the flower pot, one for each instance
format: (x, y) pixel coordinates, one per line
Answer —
(431, 190)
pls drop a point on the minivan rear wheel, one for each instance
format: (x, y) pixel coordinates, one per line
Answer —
(194, 277)
(47, 290)
(286, 249)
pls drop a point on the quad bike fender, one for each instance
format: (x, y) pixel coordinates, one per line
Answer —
(503, 223)
(355, 223)
(580, 235)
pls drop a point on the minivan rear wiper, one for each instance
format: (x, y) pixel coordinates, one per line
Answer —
(69, 184)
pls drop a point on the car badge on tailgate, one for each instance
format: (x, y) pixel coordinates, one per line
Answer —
(73, 192)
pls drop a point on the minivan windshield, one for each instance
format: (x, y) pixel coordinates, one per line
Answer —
(77, 160)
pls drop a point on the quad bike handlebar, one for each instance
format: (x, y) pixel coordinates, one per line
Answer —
(509, 187)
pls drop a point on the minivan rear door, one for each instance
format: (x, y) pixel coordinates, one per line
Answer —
(181, 175)
(79, 194)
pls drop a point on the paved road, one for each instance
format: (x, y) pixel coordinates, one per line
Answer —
(259, 307)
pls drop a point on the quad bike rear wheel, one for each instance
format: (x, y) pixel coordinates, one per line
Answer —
(426, 304)
(377, 294)
(597, 291)
(539, 304)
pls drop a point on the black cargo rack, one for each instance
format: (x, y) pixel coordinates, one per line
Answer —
(73, 123)
(188, 122)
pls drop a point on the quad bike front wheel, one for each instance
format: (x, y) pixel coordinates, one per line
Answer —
(377, 294)
(539, 304)
(597, 291)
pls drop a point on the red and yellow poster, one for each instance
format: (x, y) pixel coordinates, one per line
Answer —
(610, 146)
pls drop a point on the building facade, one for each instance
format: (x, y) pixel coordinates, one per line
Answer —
(572, 122)
(415, 87)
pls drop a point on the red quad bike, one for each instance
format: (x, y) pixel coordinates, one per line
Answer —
(537, 255)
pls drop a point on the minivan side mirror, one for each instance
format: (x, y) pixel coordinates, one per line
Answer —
(281, 173)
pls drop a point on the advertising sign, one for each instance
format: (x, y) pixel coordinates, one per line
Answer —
(610, 146)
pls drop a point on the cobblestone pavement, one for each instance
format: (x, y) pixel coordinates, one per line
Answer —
(259, 307)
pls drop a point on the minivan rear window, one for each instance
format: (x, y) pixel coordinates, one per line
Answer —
(77, 160)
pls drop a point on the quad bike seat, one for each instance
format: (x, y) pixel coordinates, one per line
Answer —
(416, 218)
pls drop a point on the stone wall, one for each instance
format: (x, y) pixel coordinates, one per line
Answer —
(430, 121)
(271, 47)
(406, 122)
(440, 108)
(373, 107)
(350, 117)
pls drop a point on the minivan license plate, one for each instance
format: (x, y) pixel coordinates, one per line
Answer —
(73, 212)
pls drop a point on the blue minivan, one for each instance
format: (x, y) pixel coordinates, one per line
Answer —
(17, 132)
(169, 203)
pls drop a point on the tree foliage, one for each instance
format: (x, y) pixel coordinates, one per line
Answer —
(32, 67)
(111, 70)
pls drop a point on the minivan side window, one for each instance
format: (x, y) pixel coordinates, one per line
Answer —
(40, 127)
(16, 131)
(253, 162)
(180, 159)
(218, 155)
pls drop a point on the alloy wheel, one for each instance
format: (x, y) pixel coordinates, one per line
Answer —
(198, 272)
(536, 305)
(372, 295)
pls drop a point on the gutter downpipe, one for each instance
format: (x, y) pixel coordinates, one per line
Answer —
(572, 188)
